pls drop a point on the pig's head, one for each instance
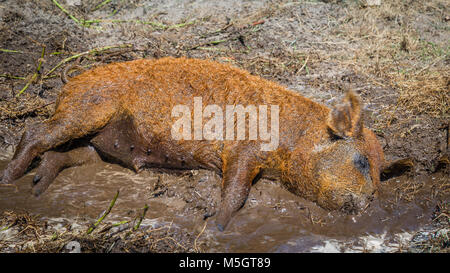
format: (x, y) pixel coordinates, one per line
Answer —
(346, 166)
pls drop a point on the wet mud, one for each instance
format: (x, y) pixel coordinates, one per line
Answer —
(272, 220)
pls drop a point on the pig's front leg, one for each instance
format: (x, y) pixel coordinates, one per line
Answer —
(239, 170)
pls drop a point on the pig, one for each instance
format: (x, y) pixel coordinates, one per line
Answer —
(121, 112)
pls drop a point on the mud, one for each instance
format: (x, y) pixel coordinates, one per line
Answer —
(272, 220)
(318, 49)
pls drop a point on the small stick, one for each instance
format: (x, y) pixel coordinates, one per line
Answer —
(111, 205)
(95, 50)
(198, 236)
(258, 23)
(101, 4)
(304, 64)
(141, 218)
(35, 75)
(9, 50)
(11, 77)
(120, 223)
(156, 25)
(208, 43)
(66, 12)
(181, 25)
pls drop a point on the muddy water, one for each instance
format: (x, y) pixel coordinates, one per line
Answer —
(273, 220)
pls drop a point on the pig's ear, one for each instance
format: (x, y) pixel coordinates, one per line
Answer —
(345, 120)
(396, 168)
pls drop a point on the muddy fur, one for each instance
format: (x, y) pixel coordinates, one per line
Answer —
(325, 156)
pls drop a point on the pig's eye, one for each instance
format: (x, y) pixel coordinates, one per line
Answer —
(362, 163)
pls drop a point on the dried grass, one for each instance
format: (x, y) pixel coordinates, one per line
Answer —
(25, 106)
(31, 234)
(389, 47)
(437, 239)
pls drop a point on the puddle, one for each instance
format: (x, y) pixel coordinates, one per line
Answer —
(272, 220)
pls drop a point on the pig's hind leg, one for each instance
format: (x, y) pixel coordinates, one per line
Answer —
(52, 163)
(66, 124)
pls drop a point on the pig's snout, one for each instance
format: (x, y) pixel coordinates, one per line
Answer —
(356, 203)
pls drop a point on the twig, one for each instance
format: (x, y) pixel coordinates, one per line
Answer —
(67, 12)
(258, 22)
(111, 205)
(198, 236)
(121, 223)
(101, 4)
(10, 50)
(304, 64)
(181, 25)
(95, 50)
(208, 43)
(141, 218)
(11, 77)
(209, 48)
(35, 75)
(156, 25)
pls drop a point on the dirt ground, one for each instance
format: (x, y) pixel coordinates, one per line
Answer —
(395, 55)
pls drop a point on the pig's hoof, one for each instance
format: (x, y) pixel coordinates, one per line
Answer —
(50, 166)
(222, 221)
(40, 184)
(41, 181)
(36, 179)
(220, 227)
